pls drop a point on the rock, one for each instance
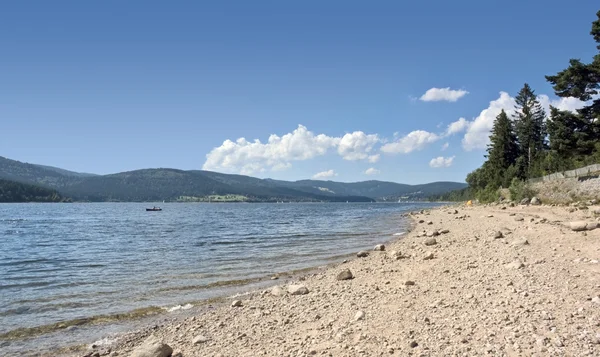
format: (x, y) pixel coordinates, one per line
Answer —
(512, 214)
(379, 247)
(345, 274)
(498, 235)
(413, 344)
(362, 254)
(152, 347)
(490, 216)
(429, 222)
(444, 231)
(516, 264)
(519, 219)
(519, 242)
(591, 226)
(236, 303)
(428, 256)
(524, 201)
(432, 234)
(409, 283)
(277, 291)
(455, 212)
(430, 241)
(596, 299)
(395, 255)
(535, 201)
(578, 226)
(199, 339)
(297, 290)
(359, 316)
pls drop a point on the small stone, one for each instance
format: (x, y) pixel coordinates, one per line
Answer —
(345, 274)
(578, 226)
(428, 256)
(379, 247)
(519, 219)
(395, 255)
(444, 231)
(236, 303)
(498, 235)
(524, 201)
(362, 254)
(596, 299)
(520, 242)
(516, 264)
(591, 226)
(535, 201)
(360, 315)
(429, 222)
(413, 344)
(277, 291)
(409, 283)
(430, 241)
(297, 290)
(490, 215)
(199, 339)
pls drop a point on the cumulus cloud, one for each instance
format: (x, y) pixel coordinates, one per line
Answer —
(457, 127)
(441, 161)
(324, 174)
(374, 158)
(249, 157)
(443, 94)
(478, 131)
(372, 171)
(357, 145)
(445, 146)
(415, 140)
(570, 103)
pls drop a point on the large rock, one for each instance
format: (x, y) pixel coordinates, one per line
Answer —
(379, 247)
(362, 254)
(535, 201)
(297, 290)
(525, 201)
(578, 226)
(236, 303)
(152, 347)
(345, 274)
(591, 226)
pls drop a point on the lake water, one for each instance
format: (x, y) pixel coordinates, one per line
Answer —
(60, 262)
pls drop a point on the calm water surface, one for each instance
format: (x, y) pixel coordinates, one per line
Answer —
(60, 262)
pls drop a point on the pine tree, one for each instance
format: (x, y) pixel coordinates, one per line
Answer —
(503, 151)
(530, 128)
(569, 136)
(582, 81)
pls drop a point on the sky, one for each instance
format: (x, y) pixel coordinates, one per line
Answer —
(402, 91)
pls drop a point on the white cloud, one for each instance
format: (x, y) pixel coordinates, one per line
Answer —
(445, 146)
(415, 140)
(248, 157)
(439, 94)
(478, 131)
(372, 171)
(441, 162)
(570, 103)
(324, 174)
(374, 158)
(357, 145)
(457, 127)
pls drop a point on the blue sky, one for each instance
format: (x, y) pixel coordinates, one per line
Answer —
(112, 86)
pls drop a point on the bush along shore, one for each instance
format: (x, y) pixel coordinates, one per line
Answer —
(503, 279)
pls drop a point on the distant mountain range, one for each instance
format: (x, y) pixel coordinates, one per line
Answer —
(198, 185)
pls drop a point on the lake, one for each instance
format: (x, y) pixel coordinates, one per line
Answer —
(60, 262)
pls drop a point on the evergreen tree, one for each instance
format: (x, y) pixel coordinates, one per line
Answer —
(530, 129)
(582, 81)
(503, 151)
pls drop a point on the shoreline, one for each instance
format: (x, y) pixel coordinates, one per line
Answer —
(150, 315)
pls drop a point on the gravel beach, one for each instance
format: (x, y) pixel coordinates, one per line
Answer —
(466, 281)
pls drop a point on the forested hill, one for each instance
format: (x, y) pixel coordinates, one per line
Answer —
(197, 185)
(11, 191)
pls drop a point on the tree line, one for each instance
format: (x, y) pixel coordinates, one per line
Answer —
(11, 192)
(532, 143)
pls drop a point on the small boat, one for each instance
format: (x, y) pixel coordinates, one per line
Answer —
(153, 209)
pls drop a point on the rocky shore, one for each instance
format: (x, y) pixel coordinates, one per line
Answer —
(467, 281)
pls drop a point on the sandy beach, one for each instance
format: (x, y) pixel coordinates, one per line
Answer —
(466, 281)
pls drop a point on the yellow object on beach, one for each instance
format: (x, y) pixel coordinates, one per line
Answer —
(469, 203)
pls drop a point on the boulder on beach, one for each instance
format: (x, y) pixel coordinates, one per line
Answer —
(359, 316)
(362, 254)
(236, 303)
(578, 226)
(277, 291)
(152, 347)
(345, 274)
(525, 201)
(498, 235)
(379, 247)
(297, 290)
(535, 201)
(430, 241)
(428, 256)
